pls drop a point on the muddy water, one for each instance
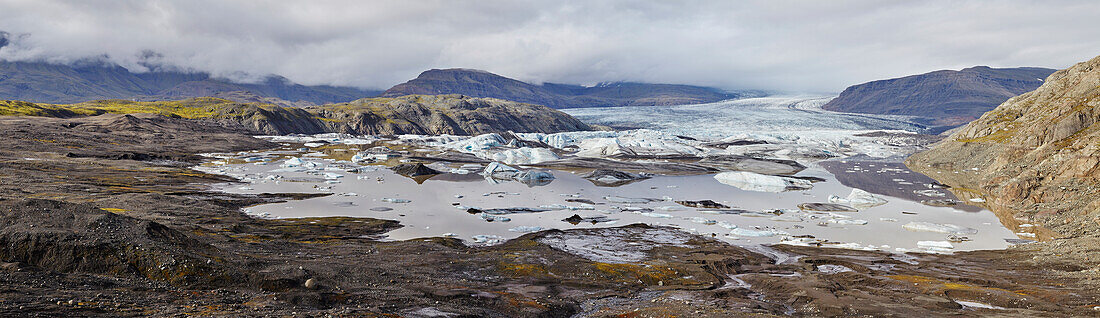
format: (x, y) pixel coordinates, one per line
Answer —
(439, 206)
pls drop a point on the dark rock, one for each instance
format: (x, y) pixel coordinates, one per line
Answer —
(613, 178)
(725, 144)
(577, 219)
(414, 170)
(706, 204)
(751, 164)
(826, 207)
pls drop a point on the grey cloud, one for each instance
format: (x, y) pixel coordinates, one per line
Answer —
(775, 45)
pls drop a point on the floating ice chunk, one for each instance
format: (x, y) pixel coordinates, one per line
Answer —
(728, 226)
(553, 206)
(533, 176)
(381, 209)
(656, 215)
(862, 199)
(786, 218)
(756, 233)
(500, 171)
(395, 200)
(526, 229)
(977, 200)
(618, 199)
(701, 220)
(759, 182)
(935, 244)
(332, 176)
(524, 156)
(488, 239)
(477, 143)
(491, 218)
(929, 193)
(848, 222)
(938, 228)
(292, 162)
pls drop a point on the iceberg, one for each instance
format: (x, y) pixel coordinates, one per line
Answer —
(935, 244)
(756, 233)
(566, 139)
(292, 162)
(477, 143)
(526, 229)
(859, 199)
(499, 171)
(938, 228)
(524, 156)
(639, 143)
(749, 181)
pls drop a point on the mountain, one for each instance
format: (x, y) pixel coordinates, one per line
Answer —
(84, 81)
(947, 98)
(414, 114)
(1034, 158)
(479, 83)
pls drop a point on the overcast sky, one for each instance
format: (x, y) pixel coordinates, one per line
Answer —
(798, 46)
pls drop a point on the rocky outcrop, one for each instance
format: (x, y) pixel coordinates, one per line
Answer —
(442, 114)
(68, 237)
(479, 83)
(439, 114)
(1036, 157)
(946, 97)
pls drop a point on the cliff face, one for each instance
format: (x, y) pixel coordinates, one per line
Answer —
(415, 114)
(443, 114)
(1036, 157)
(484, 84)
(946, 97)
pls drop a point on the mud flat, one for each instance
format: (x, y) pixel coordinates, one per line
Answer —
(125, 227)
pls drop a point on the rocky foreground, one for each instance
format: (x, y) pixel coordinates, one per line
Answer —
(1036, 159)
(102, 216)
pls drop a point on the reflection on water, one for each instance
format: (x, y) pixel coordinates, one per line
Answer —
(469, 205)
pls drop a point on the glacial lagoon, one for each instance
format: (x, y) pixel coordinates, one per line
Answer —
(466, 203)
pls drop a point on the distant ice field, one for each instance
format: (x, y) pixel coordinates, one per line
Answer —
(739, 116)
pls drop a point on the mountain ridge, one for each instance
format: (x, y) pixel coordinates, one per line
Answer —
(79, 82)
(945, 97)
(479, 83)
